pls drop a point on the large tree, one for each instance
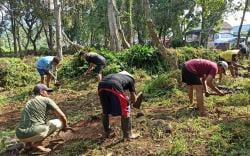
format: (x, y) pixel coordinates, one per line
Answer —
(211, 16)
(115, 42)
(242, 20)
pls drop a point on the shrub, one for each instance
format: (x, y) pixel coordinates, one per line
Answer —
(162, 84)
(15, 73)
(72, 66)
(187, 53)
(146, 58)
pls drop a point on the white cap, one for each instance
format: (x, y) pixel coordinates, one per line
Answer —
(223, 64)
(125, 73)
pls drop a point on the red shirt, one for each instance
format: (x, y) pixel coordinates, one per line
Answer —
(201, 67)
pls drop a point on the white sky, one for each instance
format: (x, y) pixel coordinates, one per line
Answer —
(234, 19)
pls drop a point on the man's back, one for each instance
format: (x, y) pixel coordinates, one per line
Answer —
(95, 58)
(44, 62)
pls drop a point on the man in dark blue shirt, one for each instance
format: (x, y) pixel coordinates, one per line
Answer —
(114, 101)
(94, 59)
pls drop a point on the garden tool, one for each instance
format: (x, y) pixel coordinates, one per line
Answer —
(56, 82)
(208, 94)
(138, 101)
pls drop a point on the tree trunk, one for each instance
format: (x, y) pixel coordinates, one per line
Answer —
(248, 34)
(5, 30)
(57, 5)
(129, 26)
(75, 45)
(13, 30)
(113, 28)
(51, 34)
(241, 23)
(19, 42)
(168, 55)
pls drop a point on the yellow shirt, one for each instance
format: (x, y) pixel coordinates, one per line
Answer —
(228, 55)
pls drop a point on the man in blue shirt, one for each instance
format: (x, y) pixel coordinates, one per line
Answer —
(45, 65)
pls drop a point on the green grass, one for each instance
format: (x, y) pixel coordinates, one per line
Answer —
(5, 137)
(228, 134)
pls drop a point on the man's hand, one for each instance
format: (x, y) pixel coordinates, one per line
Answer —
(65, 128)
(207, 94)
(221, 94)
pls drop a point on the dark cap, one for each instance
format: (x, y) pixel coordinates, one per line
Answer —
(40, 87)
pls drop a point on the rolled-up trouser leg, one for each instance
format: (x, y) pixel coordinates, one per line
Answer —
(126, 127)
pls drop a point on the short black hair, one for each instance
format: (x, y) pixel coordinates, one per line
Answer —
(56, 59)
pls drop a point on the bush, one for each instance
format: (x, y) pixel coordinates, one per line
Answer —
(147, 58)
(72, 66)
(162, 84)
(15, 73)
(187, 53)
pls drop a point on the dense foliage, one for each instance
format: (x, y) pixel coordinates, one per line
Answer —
(14, 72)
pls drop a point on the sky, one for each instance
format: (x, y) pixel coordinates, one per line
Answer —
(234, 19)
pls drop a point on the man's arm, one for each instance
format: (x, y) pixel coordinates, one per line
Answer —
(133, 97)
(203, 80)
(89, 69)
(238, 65)
(210, 84)
(62, 117)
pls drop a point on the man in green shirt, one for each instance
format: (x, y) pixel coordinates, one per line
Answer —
(34, 127)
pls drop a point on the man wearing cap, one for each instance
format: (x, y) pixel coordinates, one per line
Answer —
(34, 127)
(198, 74)
(45, 65)
(230, 56)
(114, 101)
(94, 59)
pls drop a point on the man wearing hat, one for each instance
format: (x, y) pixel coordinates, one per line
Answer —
(198, 74)
(230, 56)
(45, 65)
(34, 127)
(94, 59)
(114, 101)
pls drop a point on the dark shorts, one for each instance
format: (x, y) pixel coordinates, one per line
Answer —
(99, 68)
(114, 102)
(42, 72)
(190, 78)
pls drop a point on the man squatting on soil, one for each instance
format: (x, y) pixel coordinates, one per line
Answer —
(197, 74)
(94, 59)
(33, 127)
(45, 65)
(114, 101)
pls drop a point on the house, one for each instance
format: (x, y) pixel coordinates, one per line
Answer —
(223, 39)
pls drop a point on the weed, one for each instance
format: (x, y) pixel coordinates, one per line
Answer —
(5, 137)
(180, 146)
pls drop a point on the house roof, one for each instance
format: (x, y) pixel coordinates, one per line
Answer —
(226, 26)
